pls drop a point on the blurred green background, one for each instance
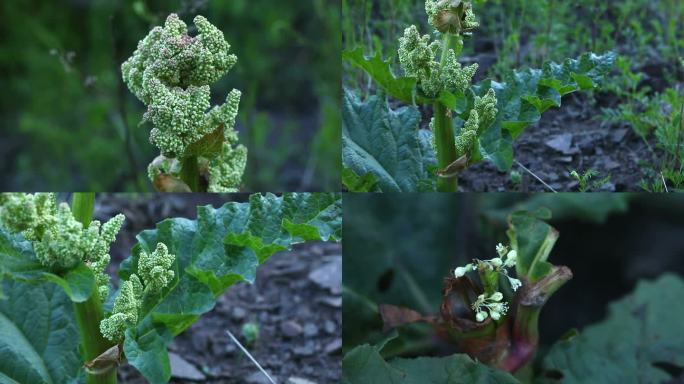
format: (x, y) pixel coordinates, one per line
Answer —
(69, 123)
(513, 33)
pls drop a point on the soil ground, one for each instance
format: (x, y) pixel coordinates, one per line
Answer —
(567, 139)
(295, 301)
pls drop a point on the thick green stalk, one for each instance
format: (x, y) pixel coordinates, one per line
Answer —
(190, 173)
(444, 132)
(89, 313)
(446, 147)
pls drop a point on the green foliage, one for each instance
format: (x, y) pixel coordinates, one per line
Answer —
(385, 143)
(653, 117)
(585, 182)
(62, 245)
(365, 364)
(250, 331)
(38, 341)
(184, 265)
(639, 337)
(638, 340)
(521, 99)
(355, 183)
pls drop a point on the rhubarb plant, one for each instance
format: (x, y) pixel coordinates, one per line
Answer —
(469, 123)
(171, 71)
(487, 326)
(491, 315)
(62, 322)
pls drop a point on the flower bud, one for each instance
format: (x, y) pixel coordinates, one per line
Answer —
(496, 296)
(481, 316)
(511, 258)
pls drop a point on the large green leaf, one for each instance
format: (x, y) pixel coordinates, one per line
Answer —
(365, 364)
(19, 262)
(386, 143)
(223, 246)
(640, 340)
(38, 335)
(401, 88)
(525, 95)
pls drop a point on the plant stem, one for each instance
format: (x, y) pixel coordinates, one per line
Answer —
(82, 205)
(190, 172)
(446, 147)
(444, 132)
(89, 313)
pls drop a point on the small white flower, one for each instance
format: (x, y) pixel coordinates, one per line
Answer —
(515, 283)
(501, 249)
(511, 258)
(496, 315)
(481, 316)
(461, 271)
(496, 262)
(496, 296)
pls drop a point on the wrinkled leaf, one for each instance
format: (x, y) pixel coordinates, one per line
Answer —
(525, 95)
(223, 246)
(38, 335)
(147, 352)
(640, 338)
(385, 142)
(19, 262)
(365, 364)
(401, 88)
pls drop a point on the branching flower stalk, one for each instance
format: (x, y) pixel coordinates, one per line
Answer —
(170, 71)
(65, 237)
(452, 19)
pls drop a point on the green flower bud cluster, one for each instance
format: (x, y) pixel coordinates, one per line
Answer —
(171, 71)
(451, 16)
(226, 169)
(486, 109)
(59, 240)
(417, 58)
(481, 117)
(98, 257)
(466, 139)
(125, 311)
(154, 270)
(27, 213)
